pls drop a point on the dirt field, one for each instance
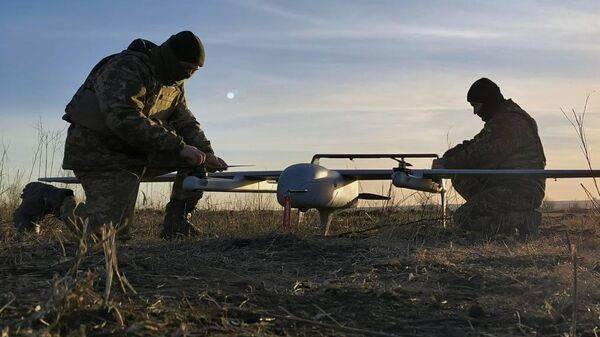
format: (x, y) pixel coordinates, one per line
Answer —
(244, 277)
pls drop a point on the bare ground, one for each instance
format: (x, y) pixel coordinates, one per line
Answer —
(245, 277)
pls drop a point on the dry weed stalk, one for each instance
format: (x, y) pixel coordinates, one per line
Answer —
(109, 246)
(578, 122)
(574, 293)
(75, 290)
(292, 317)
(49, 143)
(68, 294)
(3, 170)
(572, 249)
(82, 248)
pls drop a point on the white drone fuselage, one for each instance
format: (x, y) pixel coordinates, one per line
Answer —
(311, 186)
(306, 185)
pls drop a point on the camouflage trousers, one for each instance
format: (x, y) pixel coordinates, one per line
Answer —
(497, 208)
(111, 196)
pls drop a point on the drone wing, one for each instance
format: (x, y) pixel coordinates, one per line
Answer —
(250, 175)
(170, 177)
(499, 173)
(243, 181)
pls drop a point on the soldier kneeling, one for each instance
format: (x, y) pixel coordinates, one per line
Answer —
(508, 140)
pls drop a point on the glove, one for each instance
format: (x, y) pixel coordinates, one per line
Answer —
(214, 163)
(192, 155)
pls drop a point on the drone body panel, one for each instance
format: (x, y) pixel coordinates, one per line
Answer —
(314, 186)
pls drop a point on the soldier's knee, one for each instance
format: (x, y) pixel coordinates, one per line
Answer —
(467, 187)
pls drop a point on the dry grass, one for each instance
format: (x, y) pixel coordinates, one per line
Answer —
(243, 277)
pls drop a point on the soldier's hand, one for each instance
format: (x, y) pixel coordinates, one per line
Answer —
(214, 163)
(437, 163)
(192, 155)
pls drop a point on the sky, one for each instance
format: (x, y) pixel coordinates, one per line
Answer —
(286, 79)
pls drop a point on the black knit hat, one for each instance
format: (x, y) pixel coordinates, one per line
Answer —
(484, 91)
(187, 47)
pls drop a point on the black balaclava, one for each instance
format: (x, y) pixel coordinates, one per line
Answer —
(487, 93)
(187, 47)
(181, 47)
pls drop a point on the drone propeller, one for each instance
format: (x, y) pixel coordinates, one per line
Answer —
(241, 165)
(402, 164)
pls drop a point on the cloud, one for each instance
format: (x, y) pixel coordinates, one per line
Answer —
(514, 25)
(274, 10)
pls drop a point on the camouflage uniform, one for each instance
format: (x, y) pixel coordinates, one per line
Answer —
(508, 140)
(111, 196)
(126, 123)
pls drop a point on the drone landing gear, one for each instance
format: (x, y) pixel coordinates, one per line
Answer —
(444, 203)
(300, 218)
(325, 214)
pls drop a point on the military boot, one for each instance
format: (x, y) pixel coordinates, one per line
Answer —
(176, 221)
(38, 200)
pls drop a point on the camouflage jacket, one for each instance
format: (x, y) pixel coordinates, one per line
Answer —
(508, 140)
(123, 116)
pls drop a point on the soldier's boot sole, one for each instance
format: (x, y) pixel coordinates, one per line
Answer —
(38, 200)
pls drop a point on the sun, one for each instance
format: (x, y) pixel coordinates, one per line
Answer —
(231, 95)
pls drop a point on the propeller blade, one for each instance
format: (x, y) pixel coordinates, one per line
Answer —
(240, 165)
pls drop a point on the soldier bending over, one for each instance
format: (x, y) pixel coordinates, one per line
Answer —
(129, 119)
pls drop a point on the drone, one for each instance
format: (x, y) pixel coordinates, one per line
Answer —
(305, 186)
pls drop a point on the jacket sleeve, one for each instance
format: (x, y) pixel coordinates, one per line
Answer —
(121, 94)
(490, 147)
(186, 125)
